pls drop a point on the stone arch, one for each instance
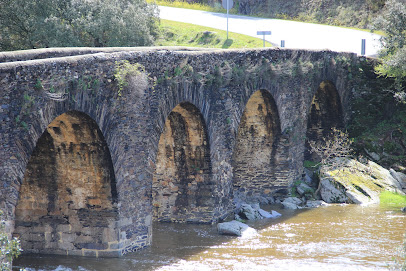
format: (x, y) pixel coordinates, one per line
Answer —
(182, 187)
(325, 113)
(67, 199)
(254, 157)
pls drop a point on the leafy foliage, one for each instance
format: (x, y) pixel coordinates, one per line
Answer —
(9, 249)
(130, 75)
(27, 24)
(393, 54)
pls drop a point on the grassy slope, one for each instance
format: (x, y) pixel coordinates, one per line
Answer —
(392, 199)
(181, 34)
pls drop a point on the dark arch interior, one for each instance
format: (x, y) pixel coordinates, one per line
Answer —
(68, 194)
(256, 144)
(325, 113)
(181, 184)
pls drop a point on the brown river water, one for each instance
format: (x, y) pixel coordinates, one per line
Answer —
(338, 237)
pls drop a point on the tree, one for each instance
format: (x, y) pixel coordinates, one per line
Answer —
(9, 248)
(393, 55)
(330, 149)
(332, 152)
(30, 24)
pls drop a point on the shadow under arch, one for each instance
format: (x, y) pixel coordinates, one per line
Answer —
(255, 152)
(182, 187)
(325, 113)
(67, 199)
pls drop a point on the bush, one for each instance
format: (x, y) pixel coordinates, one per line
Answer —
(393, 55)
(9, 248)
(131, 76)
(27, 24)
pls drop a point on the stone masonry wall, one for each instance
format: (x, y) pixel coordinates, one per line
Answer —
(68, 195)
(217, 83)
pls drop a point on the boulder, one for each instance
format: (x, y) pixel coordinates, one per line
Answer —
(400, 177)
(308, 176)
(291, 203)
(275, 214)
(265, 214)
(373, 155)
(235, 228)
(403, 209)
(357, 183)
(248, 212)
(254, 212)
(314, 203)
(303, 189)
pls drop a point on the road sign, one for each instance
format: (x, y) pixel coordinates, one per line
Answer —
(230, 4)
(227, 4)
(264, 33)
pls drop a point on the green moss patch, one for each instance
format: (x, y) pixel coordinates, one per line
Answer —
(363, 182)
(392, 199)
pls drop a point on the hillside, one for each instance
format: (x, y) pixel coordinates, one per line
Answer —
(354, 13)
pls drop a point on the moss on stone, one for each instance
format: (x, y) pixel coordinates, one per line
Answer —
(392, 199)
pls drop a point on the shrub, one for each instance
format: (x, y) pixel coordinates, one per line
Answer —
(9, 248)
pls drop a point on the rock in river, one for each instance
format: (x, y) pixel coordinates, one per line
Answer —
(235, 228)
(357, 183)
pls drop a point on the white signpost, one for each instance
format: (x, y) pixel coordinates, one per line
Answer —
(227, 4)
(264, 33)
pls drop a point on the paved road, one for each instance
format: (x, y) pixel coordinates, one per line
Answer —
(295, 34)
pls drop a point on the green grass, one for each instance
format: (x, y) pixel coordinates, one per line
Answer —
(182, 34)
(218, 8)
(392, 199)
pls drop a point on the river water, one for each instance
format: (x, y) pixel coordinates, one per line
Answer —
(337, 237)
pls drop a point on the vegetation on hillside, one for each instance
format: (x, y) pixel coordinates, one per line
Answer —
(27, 24)
(181, 34)
(393, 55)
(379, 120)
(378, 124)
(350, 13)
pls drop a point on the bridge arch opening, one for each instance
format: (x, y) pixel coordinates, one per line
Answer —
(254, 156)
(182, 187)
(67, 200)
(325, 113)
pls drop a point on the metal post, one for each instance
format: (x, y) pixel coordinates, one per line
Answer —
(263, 33)
(227, 18)
(282, 43)
(363, 43)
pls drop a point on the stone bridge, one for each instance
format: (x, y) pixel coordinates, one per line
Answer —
(88, 161)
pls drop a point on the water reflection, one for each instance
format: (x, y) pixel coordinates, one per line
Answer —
(327, 238)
